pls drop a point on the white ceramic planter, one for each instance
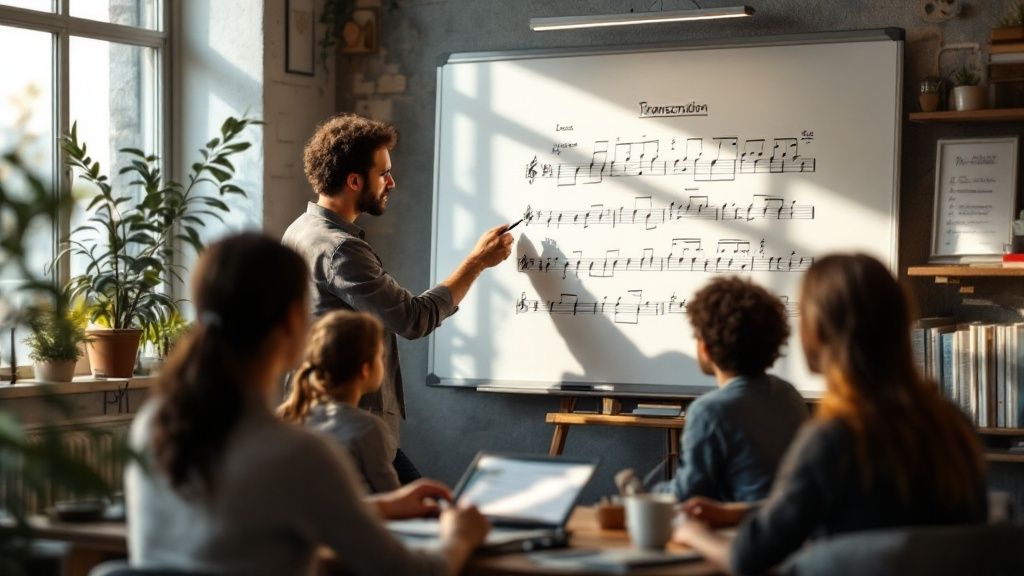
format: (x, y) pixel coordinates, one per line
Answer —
(54, 372)
(969, 98)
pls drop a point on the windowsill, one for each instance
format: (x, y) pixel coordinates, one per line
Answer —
(80, 385)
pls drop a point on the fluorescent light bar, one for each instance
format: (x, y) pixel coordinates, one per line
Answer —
(599, 20)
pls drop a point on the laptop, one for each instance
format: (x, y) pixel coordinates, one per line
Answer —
(527, 498)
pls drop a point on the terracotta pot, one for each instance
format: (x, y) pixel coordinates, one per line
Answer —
(112, 352)
(969, 98)
(55, 371)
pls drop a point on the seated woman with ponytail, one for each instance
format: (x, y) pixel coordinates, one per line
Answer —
(884, 450)
(226, 486)
(345, 360)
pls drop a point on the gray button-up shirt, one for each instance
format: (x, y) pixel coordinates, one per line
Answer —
(348, 275)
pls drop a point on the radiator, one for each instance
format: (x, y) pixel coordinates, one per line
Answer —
(100, 451)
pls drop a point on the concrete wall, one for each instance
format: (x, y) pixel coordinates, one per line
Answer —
(447, 426)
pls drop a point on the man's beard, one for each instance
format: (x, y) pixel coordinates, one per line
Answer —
(369, 204)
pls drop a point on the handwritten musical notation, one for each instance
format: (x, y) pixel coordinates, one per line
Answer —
(643, 212)
(622, 309)
(722, 161)
(685, 255)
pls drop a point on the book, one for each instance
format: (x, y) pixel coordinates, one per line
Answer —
(947, 385)
(965, 370)
(920, 343)
(660, 411)
(1007, 58)
(1006, 48)
(1000, 72)
(1007, 34)
(999, 347)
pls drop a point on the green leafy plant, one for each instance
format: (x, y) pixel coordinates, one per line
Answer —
(130, 245)
(55, 336)
(1014, 16)
(42, 463)
(165, 334)
(965, 76)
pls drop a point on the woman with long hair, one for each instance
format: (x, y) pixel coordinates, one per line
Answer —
(884, 448)
(344, 360)
(227, 487)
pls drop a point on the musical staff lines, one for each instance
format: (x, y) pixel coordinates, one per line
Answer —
(721, 160)
(622, 309)
(697, 207)
(685, 255)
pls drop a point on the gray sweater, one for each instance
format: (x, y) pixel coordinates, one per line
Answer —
(282, 492)
(366, 438)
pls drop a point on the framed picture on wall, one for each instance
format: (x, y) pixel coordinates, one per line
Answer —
(359, 35)
(975, 198)
(299, 37)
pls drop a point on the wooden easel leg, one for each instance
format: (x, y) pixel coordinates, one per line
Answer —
(673, 453)
(561, 430)
(558, 440)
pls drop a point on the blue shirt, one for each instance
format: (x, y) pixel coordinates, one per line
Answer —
(734, 439)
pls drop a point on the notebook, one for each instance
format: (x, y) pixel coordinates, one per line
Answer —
(527, 498)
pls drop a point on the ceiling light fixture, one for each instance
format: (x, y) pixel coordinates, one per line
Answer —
(633, 18)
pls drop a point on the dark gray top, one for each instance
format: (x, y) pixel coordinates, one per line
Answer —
(734, 439)
(281, 492)
(365, 437)
(819, 493)
(348, 275)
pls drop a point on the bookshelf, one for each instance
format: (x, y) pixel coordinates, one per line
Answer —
(978, 116)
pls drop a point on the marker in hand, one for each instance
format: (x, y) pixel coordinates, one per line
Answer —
(513, 225)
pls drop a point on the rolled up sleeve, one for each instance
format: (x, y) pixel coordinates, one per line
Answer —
(361, 282)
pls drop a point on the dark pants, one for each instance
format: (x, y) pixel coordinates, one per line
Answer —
(407, 471)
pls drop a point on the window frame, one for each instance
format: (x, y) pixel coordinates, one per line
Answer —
(63, 26)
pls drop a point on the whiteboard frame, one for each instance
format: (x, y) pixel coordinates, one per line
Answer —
(897, 35)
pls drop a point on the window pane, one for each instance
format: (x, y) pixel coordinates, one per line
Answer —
(113, 98)
(26, 126)
(139, 13)
(41, 5)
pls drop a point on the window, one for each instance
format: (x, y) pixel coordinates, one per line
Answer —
(101, 63)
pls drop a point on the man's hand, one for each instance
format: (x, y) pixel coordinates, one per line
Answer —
(493, 247)
(413, 500)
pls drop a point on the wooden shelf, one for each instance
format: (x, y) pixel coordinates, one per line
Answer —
(1004, 457)
(991, 115)
(965, 271)
(1001, 431)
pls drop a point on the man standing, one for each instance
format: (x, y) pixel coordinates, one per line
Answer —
(735, 436)
(348, 164)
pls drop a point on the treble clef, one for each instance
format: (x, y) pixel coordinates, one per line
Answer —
(521, 306)
(522, 263)
(531, 170)
(527, 215)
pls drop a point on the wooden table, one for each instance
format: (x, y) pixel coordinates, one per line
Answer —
(565, 418)
(94, 542)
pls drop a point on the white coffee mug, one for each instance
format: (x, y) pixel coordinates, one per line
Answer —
(649, 519)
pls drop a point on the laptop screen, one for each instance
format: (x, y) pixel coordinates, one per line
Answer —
(524, 489)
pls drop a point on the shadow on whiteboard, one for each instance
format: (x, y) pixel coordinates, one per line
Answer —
(594, 337)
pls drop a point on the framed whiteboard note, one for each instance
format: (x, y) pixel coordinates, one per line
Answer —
(975, 198)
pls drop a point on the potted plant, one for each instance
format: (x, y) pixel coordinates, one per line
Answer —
(1011, 27)
(162, 336)
(967, 94)
(54, 343)
(130, 245)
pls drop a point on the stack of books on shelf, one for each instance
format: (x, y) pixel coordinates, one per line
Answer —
(662, 410)
(980, 367)
(1006, 67)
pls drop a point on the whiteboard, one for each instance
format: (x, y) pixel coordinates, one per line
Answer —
(641, 175)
